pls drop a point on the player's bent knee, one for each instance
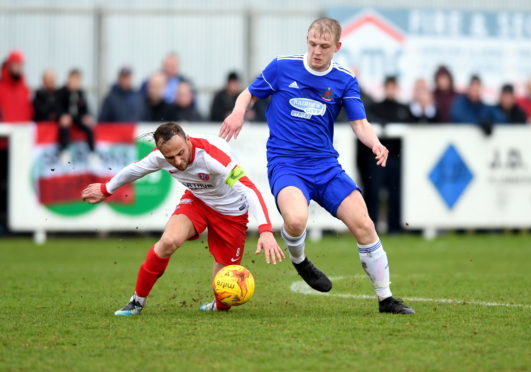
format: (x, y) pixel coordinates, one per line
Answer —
(168, 245)
(364, 228)
(295, 225)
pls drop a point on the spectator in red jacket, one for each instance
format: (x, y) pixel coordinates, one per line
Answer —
(525, 102)
(15, 102)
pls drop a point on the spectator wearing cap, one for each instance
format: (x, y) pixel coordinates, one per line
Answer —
(123, 103)
(184, 104)
(45, 99)
(444, 93)
(224, 99)
(513, 113)
(525, 101)
(15, 102)
(469, 108)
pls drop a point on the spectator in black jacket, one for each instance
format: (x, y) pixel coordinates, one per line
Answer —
(184, 104)
(155, 108)
(389, 110)
(224, 100)
(45, 99)
(73, 110)
(513, 113)
(375, 178)
(122, 104)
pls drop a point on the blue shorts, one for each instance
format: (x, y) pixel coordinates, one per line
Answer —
(327, 186)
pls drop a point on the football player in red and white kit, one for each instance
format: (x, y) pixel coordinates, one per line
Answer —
(218, 196)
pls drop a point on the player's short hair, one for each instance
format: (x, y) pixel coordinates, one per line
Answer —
(325, 25)
(166, 131)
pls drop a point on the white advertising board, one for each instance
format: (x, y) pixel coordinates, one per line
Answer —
(26, 213)
(456, 177)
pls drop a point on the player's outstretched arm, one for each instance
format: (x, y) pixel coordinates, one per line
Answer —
(93, 193)
(269, 245)
(365, 133)
(97, 192)
(232, 125)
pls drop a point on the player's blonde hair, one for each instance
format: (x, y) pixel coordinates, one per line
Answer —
(326, 25)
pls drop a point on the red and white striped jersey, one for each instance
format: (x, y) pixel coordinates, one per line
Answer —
(212, 176)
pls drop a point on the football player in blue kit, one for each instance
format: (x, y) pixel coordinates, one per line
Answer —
(307, 92)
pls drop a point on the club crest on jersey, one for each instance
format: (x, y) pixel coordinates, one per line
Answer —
(327, 94)
(203, 176)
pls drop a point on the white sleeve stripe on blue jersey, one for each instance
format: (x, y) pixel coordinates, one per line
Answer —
(268, 82)
(342, 69)
(352, 98)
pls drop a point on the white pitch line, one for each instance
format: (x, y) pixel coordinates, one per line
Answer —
(303, 288)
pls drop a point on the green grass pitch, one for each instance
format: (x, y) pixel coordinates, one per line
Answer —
(57, 303)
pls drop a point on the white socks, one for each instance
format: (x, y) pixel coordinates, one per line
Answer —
(295, 245)
(374, 262)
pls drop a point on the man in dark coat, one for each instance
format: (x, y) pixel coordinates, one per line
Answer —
(184, 104)
(155, 108)
(45, 99)
(512, 111)
(123, 103)
(224, 100)
(73, 110)
(374, 179)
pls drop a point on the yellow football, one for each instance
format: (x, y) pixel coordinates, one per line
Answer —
(233, 285)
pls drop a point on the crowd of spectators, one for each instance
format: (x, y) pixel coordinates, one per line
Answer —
(167, 95)
(440, 105)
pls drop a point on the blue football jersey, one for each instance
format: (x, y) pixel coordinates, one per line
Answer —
(304, 106)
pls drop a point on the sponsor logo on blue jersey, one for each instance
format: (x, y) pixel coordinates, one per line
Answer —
(309, 107)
